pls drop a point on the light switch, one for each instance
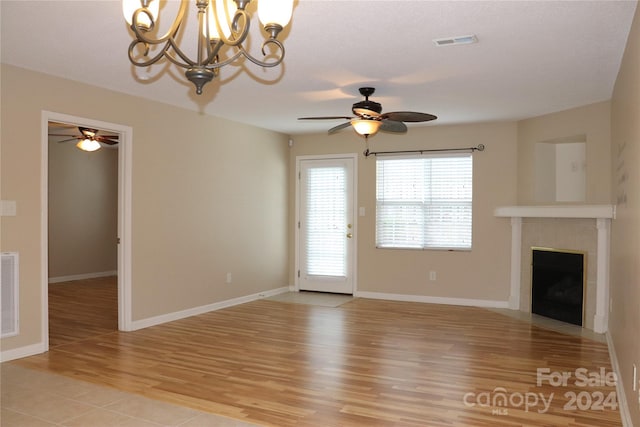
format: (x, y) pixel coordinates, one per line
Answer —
(361, 211)
(8, 208)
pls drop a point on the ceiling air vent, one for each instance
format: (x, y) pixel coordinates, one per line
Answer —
(449, 41)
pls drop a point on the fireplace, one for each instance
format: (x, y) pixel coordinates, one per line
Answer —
(579, 227)
(558, 284)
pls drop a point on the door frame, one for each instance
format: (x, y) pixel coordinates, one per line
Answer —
(354, 201)
(125, 151)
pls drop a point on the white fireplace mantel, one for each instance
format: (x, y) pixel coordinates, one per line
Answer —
(603, 214)
(557, 211)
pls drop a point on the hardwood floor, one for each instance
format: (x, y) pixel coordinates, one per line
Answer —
(81, 309)
(364, 363)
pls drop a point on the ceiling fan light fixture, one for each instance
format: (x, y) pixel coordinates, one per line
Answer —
(369, 118)
(88, 145)
(366, 127)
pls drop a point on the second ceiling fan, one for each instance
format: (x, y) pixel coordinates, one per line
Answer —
(88, 138)
(369, 118)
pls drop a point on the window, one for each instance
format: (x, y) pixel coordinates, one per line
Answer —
(424, 202)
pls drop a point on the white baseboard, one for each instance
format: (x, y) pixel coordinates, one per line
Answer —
(20, 352)
(622, 398)
(83, 276)
(177, 315)
(434, 300)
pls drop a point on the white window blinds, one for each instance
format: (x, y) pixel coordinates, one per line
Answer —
(424, 202)
(326, 221)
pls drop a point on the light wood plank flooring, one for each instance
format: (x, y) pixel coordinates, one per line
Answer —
(81, 309)
(364, 363)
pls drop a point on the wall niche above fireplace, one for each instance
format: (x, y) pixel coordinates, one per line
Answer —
(558, 281)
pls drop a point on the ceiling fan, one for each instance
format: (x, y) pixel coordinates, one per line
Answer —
(369, 118)
(89, 140)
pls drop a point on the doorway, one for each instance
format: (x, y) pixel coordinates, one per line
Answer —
(106, 252)
(326, 227)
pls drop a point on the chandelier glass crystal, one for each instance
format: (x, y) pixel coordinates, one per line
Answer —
(221, 24)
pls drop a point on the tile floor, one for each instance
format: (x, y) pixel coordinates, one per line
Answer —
(37, 399)
(313, 298)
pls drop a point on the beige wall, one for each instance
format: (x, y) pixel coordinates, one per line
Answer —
(209, 197)
(590, 120)
(624, 321)
(83, 210)
(482, 273)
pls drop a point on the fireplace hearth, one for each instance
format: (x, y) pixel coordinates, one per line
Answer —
(558, 284)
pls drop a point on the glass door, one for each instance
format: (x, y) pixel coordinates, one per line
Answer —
(326, 227)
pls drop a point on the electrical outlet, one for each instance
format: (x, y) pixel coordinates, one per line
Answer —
(432, 276)
(229, 278)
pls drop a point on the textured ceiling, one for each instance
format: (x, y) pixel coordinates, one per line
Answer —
(532, 58)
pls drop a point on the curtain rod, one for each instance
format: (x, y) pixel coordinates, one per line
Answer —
(368, 153)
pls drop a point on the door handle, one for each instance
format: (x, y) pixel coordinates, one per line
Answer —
(349, 235)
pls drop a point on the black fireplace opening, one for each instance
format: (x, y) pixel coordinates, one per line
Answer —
(557, 284)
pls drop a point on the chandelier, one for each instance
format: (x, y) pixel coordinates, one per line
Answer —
(221, 24)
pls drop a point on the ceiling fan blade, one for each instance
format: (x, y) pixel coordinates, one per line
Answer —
(339, 127)
(393, 126)
(326, 118)
(65, 134)
(106, 140)
(408, 116)
(75, 138)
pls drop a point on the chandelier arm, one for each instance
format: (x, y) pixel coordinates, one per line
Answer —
(243, 52)
(187, 61)
(212, 65)
(280, 47)
(148, 62)
(213, 49)
(177, 62)
(139, 30)
(256, 61)
(238, 36)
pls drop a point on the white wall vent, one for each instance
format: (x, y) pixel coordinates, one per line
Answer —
(449, 41)
(9, 295)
